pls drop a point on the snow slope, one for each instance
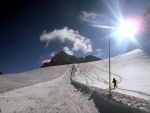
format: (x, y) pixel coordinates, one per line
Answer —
(48, 90)
(13, 81)
(132, 71)
(55, 96)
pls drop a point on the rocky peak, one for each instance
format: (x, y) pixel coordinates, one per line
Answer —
(63, 58)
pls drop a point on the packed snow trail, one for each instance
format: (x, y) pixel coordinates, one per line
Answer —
(89, 76)
(131, 70)
(117, 103)
(55, 96)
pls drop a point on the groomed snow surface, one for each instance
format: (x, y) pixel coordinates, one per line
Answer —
(131, 70)
(49, 90)
(54, 96)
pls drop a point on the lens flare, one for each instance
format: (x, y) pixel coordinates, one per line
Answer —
(130, 27)
(127, 29)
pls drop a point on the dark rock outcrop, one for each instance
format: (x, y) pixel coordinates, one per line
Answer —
(91, 58)
(63, 58)
(1, 73)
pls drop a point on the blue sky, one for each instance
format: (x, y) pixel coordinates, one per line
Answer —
(33, 31)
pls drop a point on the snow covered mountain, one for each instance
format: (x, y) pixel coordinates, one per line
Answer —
(144, 39)
(49, 89)
(63, 58)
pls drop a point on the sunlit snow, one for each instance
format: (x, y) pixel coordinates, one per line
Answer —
(48, 90)
(131, 71)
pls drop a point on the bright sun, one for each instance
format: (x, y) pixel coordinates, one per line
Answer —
(127, 29)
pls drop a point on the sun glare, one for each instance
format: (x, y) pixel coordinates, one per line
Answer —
(127, 29)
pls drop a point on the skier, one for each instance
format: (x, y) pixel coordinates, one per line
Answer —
(115, 82)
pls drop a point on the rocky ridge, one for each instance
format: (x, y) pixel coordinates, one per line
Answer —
(63, 58)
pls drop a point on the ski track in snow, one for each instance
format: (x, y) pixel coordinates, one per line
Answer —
(128, 100)
(55, 96)
(86, 71)
(120, 82)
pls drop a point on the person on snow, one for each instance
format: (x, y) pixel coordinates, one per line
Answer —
(115, 82)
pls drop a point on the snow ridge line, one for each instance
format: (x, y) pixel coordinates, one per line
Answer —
(118, 103)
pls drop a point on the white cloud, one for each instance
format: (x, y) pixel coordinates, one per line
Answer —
(86, 16)
(99, 53)
(68, 51)
(46, 60)
(79, 42)
(52, 54)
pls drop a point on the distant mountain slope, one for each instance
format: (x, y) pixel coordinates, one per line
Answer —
(131, 47)
(63, 58)
(143, 37)
(145, 42)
